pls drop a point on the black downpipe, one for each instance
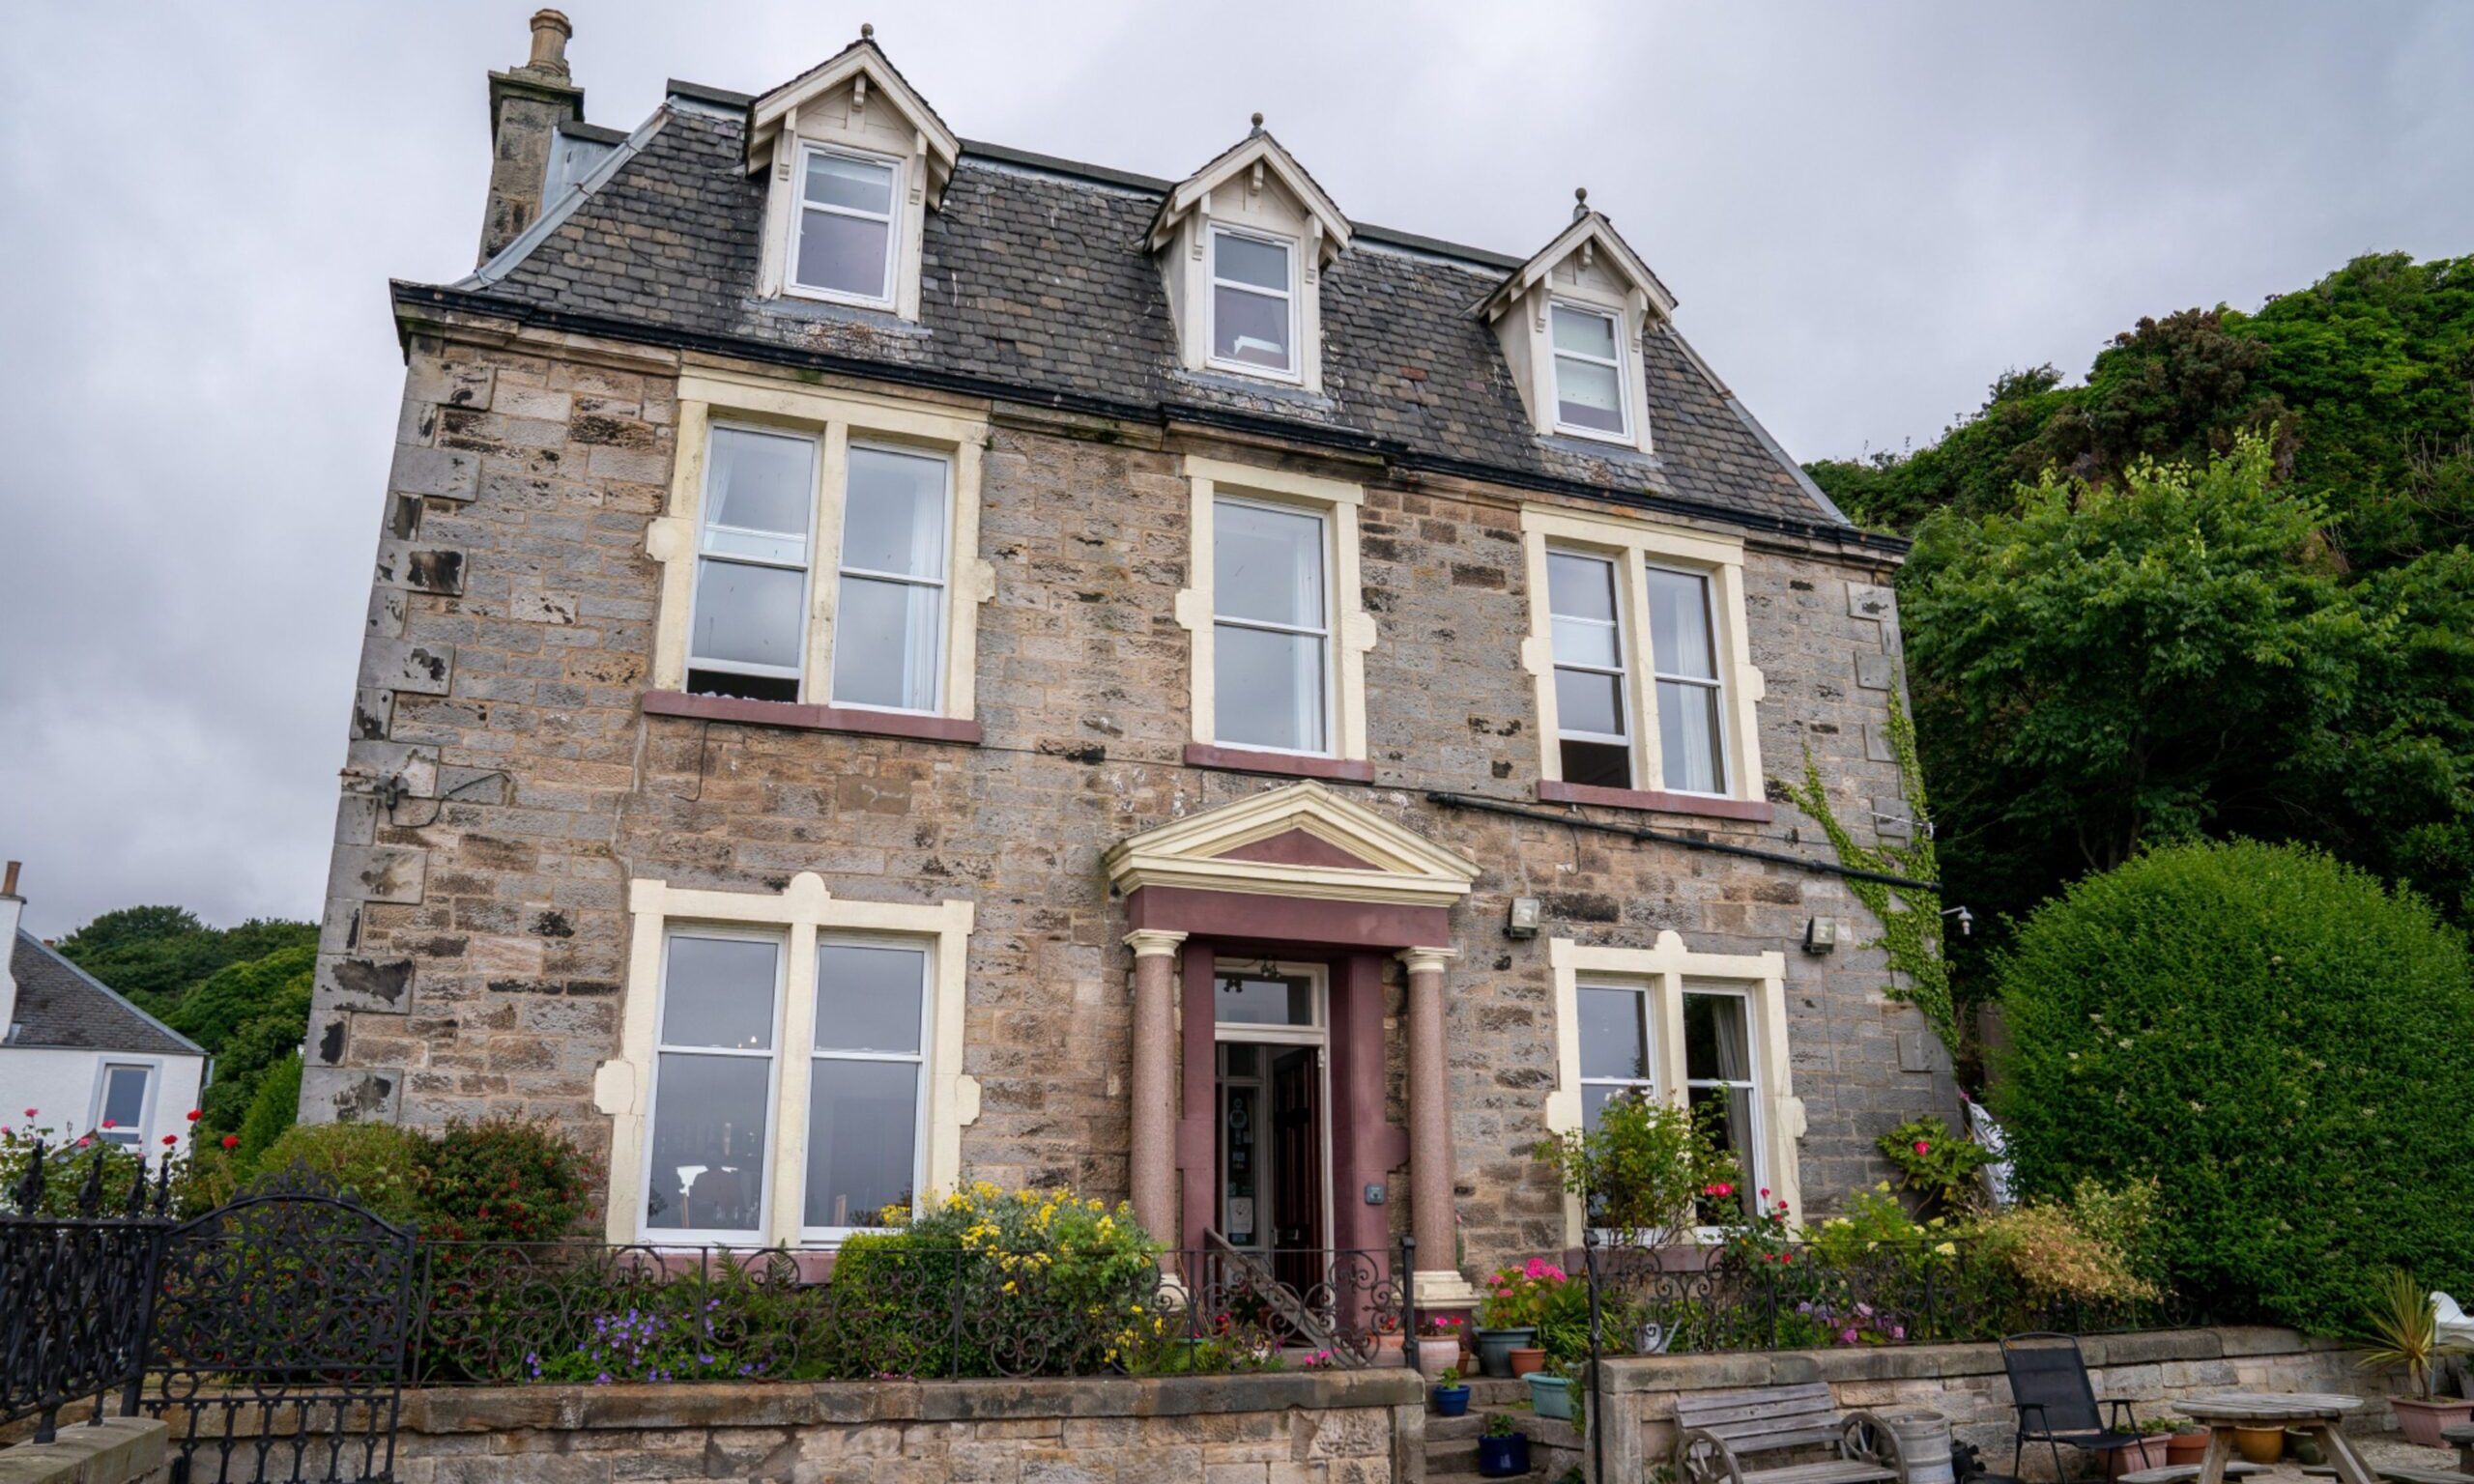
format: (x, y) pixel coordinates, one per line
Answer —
(1664, 837)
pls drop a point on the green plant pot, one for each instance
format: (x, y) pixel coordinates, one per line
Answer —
(1495, 1348)
(1550, 1396)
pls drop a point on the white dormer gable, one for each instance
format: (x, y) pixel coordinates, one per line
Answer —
(1243, 244)
(853, 161)
(1571, 321)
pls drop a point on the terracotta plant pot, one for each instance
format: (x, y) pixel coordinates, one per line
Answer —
(2186, 1447)
(2259, 1445)
(2149, 1452)
(1438, 1353)
(1526, 1359)
(2421, 1421)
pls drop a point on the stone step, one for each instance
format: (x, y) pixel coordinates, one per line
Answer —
(1463, 1431)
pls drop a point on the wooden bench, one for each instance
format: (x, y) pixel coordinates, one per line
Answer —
(1716, 1431)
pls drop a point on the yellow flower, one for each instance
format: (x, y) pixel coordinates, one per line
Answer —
(1948, 1250)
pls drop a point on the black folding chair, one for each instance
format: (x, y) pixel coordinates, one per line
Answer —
(2048, 1386)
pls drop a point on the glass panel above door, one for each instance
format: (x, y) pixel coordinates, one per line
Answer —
(1250, 998)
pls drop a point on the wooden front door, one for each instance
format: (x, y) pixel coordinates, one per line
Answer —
(1297, 1167)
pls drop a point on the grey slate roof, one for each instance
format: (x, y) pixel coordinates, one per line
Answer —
(1034, 280)
(60, 1005)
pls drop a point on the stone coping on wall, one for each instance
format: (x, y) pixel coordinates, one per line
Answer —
(119, 1450)
(1929, 1363)
(450, 1410)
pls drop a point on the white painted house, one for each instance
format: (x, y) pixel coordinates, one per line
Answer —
(81, 1056)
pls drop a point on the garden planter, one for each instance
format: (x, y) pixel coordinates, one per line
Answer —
(1452, 1401)
(2185, 1447)
(1502, 1457)
(1439, 1354)
(1526, 1359)
(1495, 1348)
(2259, 1445)
(1387, 1350)
(2421, 1421)
(1550, 1396)
(2149, 1452)
(2305, 1448)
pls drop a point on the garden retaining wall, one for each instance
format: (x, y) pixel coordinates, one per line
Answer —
(1966, 1383)
(1327, 1427)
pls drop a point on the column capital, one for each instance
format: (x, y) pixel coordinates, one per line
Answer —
(1153, 942)
(1428, 960)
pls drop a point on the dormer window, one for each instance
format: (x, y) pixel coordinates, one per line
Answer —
(1253, 303)
(846, 229)
(1570, 322)
(1589, 373)
(1243, 244)
(852, 160)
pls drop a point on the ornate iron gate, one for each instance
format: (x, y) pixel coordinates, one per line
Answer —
(276, 1345)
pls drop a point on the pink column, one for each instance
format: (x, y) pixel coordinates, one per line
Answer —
(1153, 1121)
(1430, 1206)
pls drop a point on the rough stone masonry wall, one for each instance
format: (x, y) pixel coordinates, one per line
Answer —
(474, 938)
(1328, 1428)
(1966, 1383)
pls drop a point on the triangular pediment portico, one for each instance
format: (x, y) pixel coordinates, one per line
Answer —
(1301, 840)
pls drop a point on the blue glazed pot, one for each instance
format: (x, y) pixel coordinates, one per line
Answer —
(1452, 1401)
(1501, 1458)
(1550, 1396)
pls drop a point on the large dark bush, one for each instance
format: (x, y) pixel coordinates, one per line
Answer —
(2282, 1043)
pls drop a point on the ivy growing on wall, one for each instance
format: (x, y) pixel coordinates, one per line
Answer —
(1911, 918)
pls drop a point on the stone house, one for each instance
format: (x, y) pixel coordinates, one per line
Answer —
(894, 660)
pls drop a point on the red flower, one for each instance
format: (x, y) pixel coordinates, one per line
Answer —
(30, 1112)
(1923, 1148)
(193, 1115)
(171, 1138)
(231, 1141)
(107, 1123)
(1719, 1187)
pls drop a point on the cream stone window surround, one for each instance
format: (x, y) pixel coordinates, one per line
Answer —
(1352, 631)
(853, 103)
(836, 419)
(622, 1087)
(1637, 545)
(1660, 973)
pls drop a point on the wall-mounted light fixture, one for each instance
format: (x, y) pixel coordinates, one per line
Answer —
(1821, 935)
(1967, 920)
(1521, 922)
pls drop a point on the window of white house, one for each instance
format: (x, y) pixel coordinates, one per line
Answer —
(1719, 1080)
(120, 1103)
(1685, 663)
(889, 620)
(1253, 298)
(1272, 627)
(714, 1082)
(1615, 1046)
(1591, 709)
(748, 634)
(843, 243)
(1588, 373)
(867, 1068)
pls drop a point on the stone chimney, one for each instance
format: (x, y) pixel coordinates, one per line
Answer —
(526, 105)
(11, 907)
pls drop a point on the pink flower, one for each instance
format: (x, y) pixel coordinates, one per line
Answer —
(1765, 1192)
(107, 1123)
(30, 1112)
(1922, 1148)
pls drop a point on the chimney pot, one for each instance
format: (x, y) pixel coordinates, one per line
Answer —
(550, 33)
(9, 880)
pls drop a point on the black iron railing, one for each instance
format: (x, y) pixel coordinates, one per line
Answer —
(501, 1312)
(78, 1255)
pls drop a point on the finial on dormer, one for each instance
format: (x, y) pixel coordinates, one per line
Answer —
(1580, 202)
(1259, 123)
(867, 32)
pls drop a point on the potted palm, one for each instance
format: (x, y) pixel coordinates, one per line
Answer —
(2400, 1331)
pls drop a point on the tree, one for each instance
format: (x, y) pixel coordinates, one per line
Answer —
(2122, 664)
(155, 955)
(2267, 1032)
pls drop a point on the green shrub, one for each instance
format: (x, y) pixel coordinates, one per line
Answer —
(1651, 1169)
(1938, 1166)
(504, 1180)
(378, 1163)
(2276, 1040)
(273, 1108)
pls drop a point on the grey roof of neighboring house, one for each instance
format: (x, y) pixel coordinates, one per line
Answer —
(62, 1006)
(1034, 281)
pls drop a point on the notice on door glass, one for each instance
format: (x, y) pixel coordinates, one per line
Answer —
(1241, 1220)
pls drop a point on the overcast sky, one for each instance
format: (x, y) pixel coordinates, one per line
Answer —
(1868, 212)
